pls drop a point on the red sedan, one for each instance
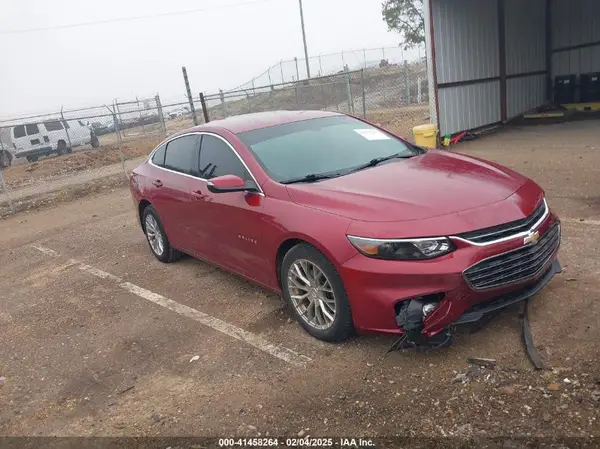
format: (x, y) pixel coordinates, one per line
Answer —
(357, 228)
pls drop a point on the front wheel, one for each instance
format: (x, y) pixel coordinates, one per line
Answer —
(95, 142)
(157, 237)
(314, 290)
(32, 158)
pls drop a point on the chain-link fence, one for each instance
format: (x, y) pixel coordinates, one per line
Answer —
(393, 95)
(378, 84)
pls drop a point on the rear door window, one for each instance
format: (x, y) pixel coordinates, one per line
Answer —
(53, 126)
(19, 131)
(32, 129)
(182, 154)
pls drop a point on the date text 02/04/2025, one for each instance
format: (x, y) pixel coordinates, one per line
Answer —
(295, 442)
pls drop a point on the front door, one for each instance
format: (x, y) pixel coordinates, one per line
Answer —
(228, 226)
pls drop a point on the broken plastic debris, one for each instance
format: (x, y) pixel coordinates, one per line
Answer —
(193, 359)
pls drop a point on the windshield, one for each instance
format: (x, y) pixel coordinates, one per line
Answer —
(331, 145)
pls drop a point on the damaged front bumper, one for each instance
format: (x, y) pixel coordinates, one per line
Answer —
(410, 317)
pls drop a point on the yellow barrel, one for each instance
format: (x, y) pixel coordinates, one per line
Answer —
(426, 135)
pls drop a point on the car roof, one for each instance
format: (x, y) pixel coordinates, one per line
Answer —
(258, 120)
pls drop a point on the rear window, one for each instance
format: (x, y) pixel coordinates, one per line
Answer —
(32, 129)
(19, 131)
(53, 126)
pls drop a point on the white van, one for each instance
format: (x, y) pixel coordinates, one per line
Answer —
(40, 139)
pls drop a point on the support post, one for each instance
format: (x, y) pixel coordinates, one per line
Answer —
(189, 95)
(364, 93)
(204, 108)
(66, 125)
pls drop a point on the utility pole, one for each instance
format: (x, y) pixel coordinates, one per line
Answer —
(304, 39)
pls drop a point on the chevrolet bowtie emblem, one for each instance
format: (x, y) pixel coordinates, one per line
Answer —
(532, 238)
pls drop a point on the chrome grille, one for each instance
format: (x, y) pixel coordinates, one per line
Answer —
(514, 266)
(498, 232)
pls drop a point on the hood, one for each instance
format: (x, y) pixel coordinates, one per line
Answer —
(435, 183)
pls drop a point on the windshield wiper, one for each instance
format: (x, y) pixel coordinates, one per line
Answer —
(311, 178)
(379, 160)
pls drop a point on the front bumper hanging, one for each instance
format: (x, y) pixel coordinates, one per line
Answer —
(410, 318)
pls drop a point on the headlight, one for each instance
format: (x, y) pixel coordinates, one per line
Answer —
(403, 249)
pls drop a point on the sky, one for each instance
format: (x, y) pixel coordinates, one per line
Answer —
(225, 44)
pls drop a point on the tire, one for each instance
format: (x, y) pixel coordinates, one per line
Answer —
(95, 142)
(62, 148)
(5, 159)
(32, 158)
(153, 228)
(326, 289)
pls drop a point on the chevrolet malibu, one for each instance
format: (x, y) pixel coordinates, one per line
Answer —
(358, 229)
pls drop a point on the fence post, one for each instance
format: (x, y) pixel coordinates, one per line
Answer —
(66, 125)
(161, 116)
(204, 108)
(297, 71)
(253, 88)
(116, 117)
(222, 96)
(5, 190)
(249, 102)
(349, 90)
(320, 66)
(419, 90)
(364, 93)
(281, 67)
(189, 94)
(406, 82)
(297, 96)
(365, 58)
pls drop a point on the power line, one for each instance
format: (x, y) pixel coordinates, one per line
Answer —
(127, 19)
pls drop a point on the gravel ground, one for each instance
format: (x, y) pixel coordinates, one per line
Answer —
(84, 356)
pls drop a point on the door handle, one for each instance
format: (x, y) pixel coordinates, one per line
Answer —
(157, 183)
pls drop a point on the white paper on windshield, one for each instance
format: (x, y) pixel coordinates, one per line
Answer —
(372, 134)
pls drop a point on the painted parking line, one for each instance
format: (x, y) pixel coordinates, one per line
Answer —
(280, 352)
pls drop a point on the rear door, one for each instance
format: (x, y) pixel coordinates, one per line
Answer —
(170, 179)
(228, 227)
(55, 132)
(29, 139)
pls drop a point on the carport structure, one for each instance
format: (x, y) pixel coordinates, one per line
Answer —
(492, 60)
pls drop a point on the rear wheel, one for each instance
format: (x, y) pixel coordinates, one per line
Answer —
(95, 142)
(157, 237)
(314, 290)
(62, 147)
(32, 158)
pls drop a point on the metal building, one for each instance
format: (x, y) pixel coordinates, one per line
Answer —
(492, 60)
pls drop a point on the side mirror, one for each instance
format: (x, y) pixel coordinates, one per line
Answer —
(228, 184)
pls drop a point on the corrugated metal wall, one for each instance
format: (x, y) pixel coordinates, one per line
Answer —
(523, 94)
(466, 48)
(575, 22)
(525, 25)
(467, 44)
(468, 107)
(466, 37)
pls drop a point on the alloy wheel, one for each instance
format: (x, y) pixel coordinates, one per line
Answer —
(154, 235)
(312, 294)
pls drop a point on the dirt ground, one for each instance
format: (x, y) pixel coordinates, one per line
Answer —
(88, 159)
(99, 338)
